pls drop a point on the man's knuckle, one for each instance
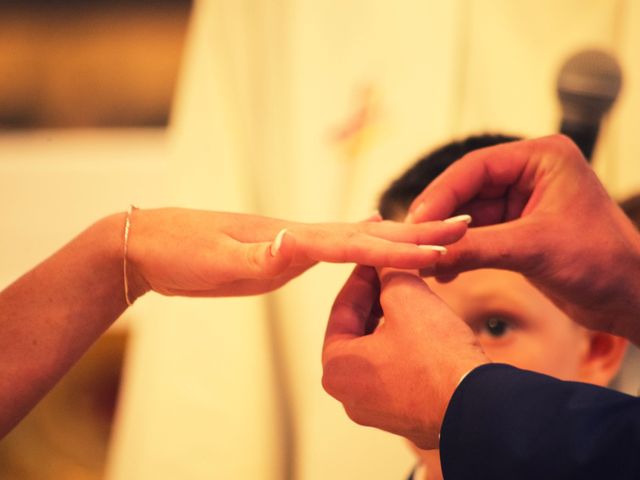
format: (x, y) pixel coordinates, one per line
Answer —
(387, 297)
(332, 381)
(328, 382)
(356, 416)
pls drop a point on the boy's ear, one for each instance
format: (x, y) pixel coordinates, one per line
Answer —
(603, 357)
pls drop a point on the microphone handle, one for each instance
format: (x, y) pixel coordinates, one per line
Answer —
(584, 135)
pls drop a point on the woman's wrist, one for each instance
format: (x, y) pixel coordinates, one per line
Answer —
(109, 233)
(134, 283)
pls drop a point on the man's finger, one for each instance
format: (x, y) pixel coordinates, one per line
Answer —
(408, 303)
(477, 174)
(516, 246)
(406, 299)
(354, 305)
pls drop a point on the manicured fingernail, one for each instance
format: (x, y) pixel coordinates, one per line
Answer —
(436, 248)
(459, 218)
(277, 243)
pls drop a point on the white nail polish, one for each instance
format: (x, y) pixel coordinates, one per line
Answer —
(277, 243)
(436, 248)
(459, 218)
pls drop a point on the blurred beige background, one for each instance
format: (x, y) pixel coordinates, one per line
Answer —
(103, 63)
(294, 108)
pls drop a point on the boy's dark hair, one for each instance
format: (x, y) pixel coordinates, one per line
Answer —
(395, 200)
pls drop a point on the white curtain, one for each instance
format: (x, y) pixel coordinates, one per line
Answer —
(306, 109)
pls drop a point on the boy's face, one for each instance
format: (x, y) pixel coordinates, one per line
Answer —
(516, 324)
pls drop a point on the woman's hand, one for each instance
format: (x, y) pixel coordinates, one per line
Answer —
(200, 253)
(53, 313)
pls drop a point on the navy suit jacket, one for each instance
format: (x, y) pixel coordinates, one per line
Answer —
(506, 423)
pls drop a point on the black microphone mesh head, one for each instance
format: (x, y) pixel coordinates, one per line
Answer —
(588, 85)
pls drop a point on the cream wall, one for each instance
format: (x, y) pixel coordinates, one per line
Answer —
(231, 388)
(55, 183)
(268, 87)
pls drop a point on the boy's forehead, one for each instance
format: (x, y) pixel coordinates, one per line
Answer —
(486, 279)
(486, 288)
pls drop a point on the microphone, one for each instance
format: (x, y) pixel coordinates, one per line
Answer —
(587, 87)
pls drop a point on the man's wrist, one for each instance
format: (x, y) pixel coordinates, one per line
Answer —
(630, 316)
(462, 370)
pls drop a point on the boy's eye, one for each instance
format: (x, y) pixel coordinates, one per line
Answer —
(496, 326)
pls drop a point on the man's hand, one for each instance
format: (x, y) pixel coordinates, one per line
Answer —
(540, 210)
(199, 253)
(398, 375)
